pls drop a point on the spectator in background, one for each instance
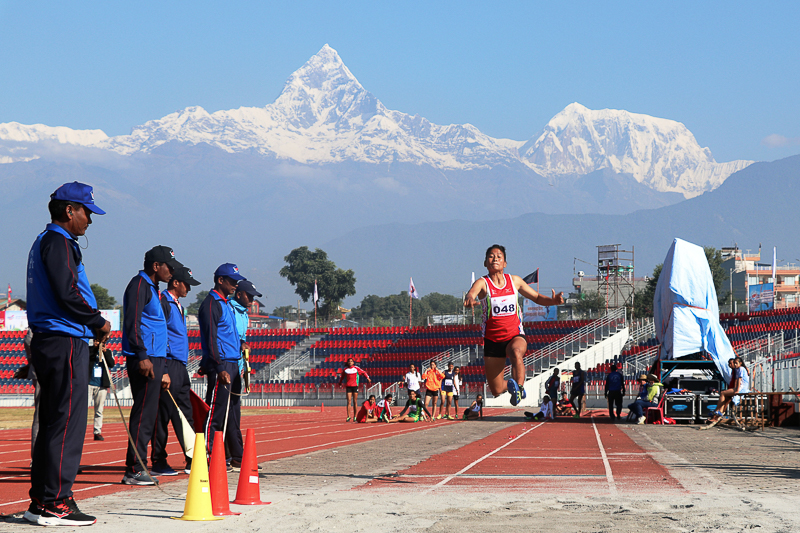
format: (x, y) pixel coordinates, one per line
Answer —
(615, 390)
(351, 376)
(475, 410)
(368, 412)
(553, 383)
(545, 412)
(416, 410)
(433, 383)
(649, 393)
(447, 392)
(385, 408)
(457, 384)
(27, 372)
(412, 379)
(564, 406)
(577, 390)
(739, 384)
(99, 383)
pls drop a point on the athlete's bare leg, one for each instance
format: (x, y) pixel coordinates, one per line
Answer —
(515, 351)
(494, 366)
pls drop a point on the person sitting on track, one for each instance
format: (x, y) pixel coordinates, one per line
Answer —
(545, 411)
(564, 406)
(648, 397)
(433, 382)
(739, 384)
(504, 335)
(350, 375)
(475, 410)
(416, 410)
(385, 408)
(368, 412)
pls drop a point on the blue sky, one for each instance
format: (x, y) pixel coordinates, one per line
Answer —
(728, 70)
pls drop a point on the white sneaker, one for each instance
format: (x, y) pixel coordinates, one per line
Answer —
(641, 420)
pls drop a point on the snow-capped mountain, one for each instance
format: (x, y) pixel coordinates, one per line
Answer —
(661, 153)
(324, 115)
(19, 138)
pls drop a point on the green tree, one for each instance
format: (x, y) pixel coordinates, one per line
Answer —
(381, 308)
(643, 300)
(194, 308)
(590, 302)
(303, 267)
(285, 311)
(104, 300)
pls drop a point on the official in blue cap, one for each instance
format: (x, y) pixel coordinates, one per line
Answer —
(220, 343)
(180, 384)
(63, 315)
(144, 344)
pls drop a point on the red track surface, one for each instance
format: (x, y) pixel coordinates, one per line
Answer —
(587, 456)
(104, 462)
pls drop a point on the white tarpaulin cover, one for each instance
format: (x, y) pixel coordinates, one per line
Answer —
(685, 308)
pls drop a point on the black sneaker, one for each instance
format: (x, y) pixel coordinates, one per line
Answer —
(98, 436)
(138, 478)
(33, 513)
(188, 468)
(64, 513)
(163, 469)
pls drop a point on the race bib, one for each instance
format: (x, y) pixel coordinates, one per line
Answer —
(576, 379)
(98, 372)
(448, 383)
(504, 305)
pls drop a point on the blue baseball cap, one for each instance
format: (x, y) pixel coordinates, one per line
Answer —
(230, 270)
(80, 193)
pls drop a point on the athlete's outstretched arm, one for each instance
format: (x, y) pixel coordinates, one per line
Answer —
(526, 290)
(476, 292)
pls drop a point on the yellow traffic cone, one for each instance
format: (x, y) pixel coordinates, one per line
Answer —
(198, 497)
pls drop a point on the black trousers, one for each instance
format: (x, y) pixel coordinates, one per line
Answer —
(62, 367)
(217, 398)
(614, 398)
(180, 385)
(146, 393)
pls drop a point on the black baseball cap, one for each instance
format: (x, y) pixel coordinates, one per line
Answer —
(80, 193)
(248, 287)
(185, 275)
(162, 254)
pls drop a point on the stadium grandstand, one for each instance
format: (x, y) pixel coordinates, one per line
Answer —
(293, 365)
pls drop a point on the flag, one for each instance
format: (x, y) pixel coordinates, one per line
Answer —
(774, 268)
(316, 294)
(412, 290)
(533, 277)
(8, 301)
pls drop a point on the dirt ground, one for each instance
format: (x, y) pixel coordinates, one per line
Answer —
(730, 481)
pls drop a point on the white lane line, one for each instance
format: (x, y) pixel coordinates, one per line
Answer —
(478, 461)
(612, 485)
(26, 500)
(548, 457)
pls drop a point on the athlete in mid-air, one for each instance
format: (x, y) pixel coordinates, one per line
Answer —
(503, 333)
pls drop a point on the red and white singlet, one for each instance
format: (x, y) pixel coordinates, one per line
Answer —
(502, 317)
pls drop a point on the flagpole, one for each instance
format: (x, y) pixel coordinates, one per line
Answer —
(315, 303)
(409, 310)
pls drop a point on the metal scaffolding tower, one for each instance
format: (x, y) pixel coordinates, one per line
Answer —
(615, 275)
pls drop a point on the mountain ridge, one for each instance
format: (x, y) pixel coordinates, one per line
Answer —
(324, 115)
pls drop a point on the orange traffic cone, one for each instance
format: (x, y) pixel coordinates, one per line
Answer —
(322, 408)
(198, 497)
(218, 478)
(267, 405)
(247, 491)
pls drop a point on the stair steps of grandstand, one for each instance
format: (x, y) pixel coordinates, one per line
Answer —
(286, 362)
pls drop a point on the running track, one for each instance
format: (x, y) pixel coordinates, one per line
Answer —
(103, 462)
(580, 456)
(586, 456)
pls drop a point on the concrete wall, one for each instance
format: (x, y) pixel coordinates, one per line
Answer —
(599, 353)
